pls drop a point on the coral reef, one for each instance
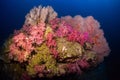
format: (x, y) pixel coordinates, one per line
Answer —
(47, 46)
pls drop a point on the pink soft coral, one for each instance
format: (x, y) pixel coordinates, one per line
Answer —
(74, 36)
(35, 33)
(54, 23)
(23, 41)
(78, 37)
(83, 64)
(63, 29)
(39, 68)
(73, 68)
(21, 47)
(51, 43)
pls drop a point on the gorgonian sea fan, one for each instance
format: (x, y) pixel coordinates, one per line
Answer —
(48, 46)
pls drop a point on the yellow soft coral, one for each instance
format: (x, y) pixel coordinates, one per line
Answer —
(42, 57)
(68, 49)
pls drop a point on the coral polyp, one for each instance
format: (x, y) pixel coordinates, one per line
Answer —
(48, 46)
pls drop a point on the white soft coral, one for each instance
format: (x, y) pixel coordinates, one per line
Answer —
(37, 14)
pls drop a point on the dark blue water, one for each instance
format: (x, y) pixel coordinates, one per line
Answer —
(107, 12)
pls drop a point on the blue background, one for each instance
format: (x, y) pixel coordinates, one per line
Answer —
(107, 12)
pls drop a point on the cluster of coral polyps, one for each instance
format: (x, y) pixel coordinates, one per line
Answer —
(50, 46)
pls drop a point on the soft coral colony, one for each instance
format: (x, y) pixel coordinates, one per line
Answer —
(50, 46)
